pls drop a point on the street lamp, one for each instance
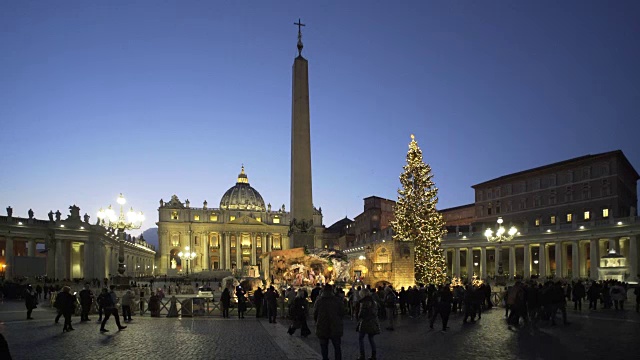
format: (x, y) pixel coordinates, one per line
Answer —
(501, 234)
(187, 256)
(132, 220)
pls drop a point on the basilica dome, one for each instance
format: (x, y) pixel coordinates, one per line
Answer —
(242, 196)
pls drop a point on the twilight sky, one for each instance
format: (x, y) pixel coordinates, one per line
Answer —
(154, 98)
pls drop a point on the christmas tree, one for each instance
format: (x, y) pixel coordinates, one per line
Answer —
(417, 220)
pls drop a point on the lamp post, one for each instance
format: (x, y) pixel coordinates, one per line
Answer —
(187, 256)
(501, 235)
(132, 220)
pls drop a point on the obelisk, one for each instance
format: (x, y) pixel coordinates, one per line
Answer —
(301, 230)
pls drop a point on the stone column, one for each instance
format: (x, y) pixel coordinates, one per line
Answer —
(594, 258)
(633, 258)
(543, 254)
(253, 249)
(512, 262)
(615, 245)
(483, 263)
(99, 257)
(88, 263)
(31, 247)
(9, 258)
(61, 259)
(228, 250)
(206, 258)
(51, 257)
(238, 251)
(559, 264)
(575, 259)
(497, 250)
(456, 262)
(526, 273)
(469, 263)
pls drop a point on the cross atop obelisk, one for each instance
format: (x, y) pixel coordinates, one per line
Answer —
(300, 46)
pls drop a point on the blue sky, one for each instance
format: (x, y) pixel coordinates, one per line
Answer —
(154, 98)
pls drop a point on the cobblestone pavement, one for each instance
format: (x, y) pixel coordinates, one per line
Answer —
(603, 334)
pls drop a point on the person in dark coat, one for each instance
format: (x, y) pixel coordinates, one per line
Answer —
(444, 298)
(225, 300)
(107, 302)
(271, 298)
(328, 313)
(258, 299)
(368, 323)
(242, 302)
(299, 312)
(315, 293)
(30, 301)
(579, 293)
(86, 299)
(67, 305)
(154, 305)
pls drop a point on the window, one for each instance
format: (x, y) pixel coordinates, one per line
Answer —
(552, 180)
(552, 197)
(569, 217)
(196, 217)
(231, 218)
(195, 240)
(538, 222)
(174, 215)
(259, 219)
(276, 220)
(233, 241)
(213, 217)
(213, 241)
(587, 215)
(605, 213)
(553, 219)
(537, 201)
(489, 210)
(586, 173)
(568, 195)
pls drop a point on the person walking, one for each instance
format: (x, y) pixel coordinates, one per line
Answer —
(242, 302)
(390, 300)
(618, 295)
(258, 299)
(299, 312)
(443, 301)
(558, 302)
(578, 294)
(108, 304)
(225, 301)
(271, 298)
(67, 302)
(127, 302)
(328, 313)
(86, 299)
(368, 324)
(30, 301)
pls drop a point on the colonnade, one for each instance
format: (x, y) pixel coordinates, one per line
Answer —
(560, 258)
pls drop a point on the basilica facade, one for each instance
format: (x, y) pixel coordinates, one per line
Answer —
(231, 237)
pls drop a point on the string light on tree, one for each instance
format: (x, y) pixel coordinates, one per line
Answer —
(417, 220)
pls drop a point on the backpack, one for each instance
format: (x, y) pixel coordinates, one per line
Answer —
(390, 299)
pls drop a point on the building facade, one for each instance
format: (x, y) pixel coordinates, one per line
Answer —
(68, 249)
(230, 237)
(569, 215)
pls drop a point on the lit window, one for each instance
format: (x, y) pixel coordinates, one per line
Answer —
(259, 219)
(537, 222)
(553, 219)
(174, 215)
(276, 220)
(213, 217)
(196, 217)
(231, 218)
(587, 215)
(605, 213)
(569, 217)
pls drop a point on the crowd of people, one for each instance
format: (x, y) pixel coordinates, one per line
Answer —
(370, 307)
